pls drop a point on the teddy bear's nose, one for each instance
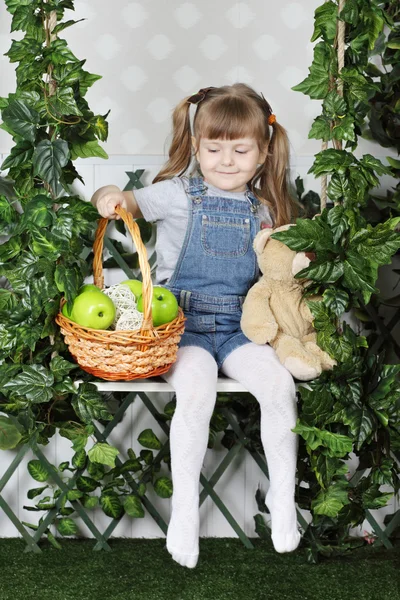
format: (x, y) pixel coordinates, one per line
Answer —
(310, 255)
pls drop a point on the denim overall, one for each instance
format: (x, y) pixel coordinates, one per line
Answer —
(215, 269)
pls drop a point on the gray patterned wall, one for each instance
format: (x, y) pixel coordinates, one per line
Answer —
(152, 53)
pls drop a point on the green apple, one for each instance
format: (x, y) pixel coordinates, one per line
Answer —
(93, 309)
(134, 285)
(88, 286)
(66, 313)
(164, 306)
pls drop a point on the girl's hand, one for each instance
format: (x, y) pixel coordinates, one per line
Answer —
(106, 198)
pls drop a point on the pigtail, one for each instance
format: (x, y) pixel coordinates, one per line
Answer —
(273, 179)
(180, 152)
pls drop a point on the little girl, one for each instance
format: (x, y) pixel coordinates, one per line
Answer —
(205, 228)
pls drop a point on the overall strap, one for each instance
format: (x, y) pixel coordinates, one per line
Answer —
(252, 200)
(196, 186)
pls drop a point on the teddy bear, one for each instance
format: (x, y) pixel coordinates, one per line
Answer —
(275, 312)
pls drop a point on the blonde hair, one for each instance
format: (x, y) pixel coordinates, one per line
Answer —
(232, 112)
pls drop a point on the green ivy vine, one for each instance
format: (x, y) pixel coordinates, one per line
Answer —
(46, 254)
(356, 407)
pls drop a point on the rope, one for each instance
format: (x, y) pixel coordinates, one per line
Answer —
(340, 43)
(340, 35)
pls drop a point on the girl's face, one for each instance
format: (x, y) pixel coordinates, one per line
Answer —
(228, 164)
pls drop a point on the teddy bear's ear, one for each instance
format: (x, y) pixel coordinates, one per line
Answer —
(261, 240)
(263, 236)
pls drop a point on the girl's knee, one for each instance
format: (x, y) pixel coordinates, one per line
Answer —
(286, 381)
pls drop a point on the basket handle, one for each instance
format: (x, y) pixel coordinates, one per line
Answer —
(98, 275)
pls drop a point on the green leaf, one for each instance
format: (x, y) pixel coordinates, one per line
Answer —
(48, 160)
(25, 51)
(86, 484)
(382, 473)
(357, 273)
(58, 53)
(61, 367)
(329, 502)
(61, 26)
(69, 73)
(21, 119)
(336, 300)
(325, 18)
(374, 164)
(334, 106)
(374, 21)
(38, 471)
(328, 272)
(101, 129)
(320, 129)
(148, 439)
(89, 404)
(344, 129)
(68, 280)
(7, 300)
(66, 527)
(393, 162)
(331, 161)
(360, 420)
(10, 249)
(163, 487)
(170, 407)
(103, 454)
(131, 464)
(64, 466)
(87, 150)
(111, 505)
(336, 345)
(79, 459)
(10, 435)
(338, 222)
(316, 85)
(53, 541)
(261, 527)
(34, 382)
(384, 393)
(36, 492)
(96, 470)
(306, 235)
(86, 80)
(133, 507)
(382, 243)
(317, 404)
(147, 456)
(73, 495)
(338, 445)
(325, 468)
(373, 499)
(358, 87)
(14, 5)
(350, 12)
(23, 19)
(39, 211)
(63, 103)
(90, 502)
(7, 188)
(20, 154)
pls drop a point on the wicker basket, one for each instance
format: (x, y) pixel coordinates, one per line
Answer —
(124, 355)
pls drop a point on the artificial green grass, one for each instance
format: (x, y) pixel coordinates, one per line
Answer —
(142, 569)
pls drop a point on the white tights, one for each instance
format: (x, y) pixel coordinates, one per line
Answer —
(194, 378)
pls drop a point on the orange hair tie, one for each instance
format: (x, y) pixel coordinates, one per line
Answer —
(271, 119)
